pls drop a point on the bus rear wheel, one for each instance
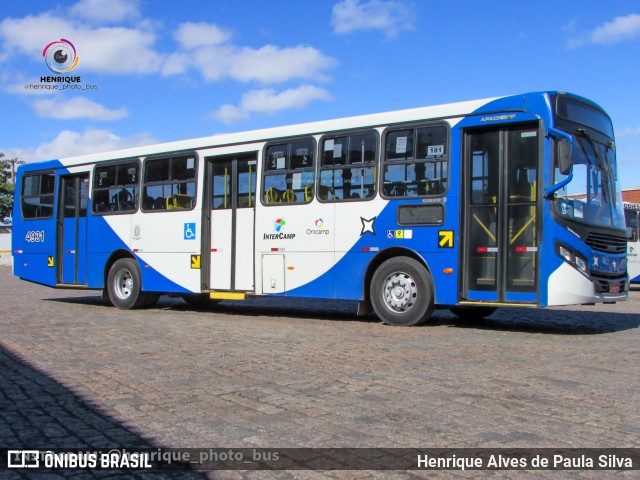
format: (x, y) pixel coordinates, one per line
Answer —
(124, 285)
(402, 292)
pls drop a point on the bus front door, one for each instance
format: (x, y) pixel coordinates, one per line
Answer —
(72, 229)
(232, 199)
(500, 238)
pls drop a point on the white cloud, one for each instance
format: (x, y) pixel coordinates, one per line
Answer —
(629, 132)
(271, 64)
(204, 47)
(389, 16)
(192, 35)
(69, 143)
(78, 107)
(230, 114)
(268, 101)
(117, 50)
(617, 30)
(106, 11)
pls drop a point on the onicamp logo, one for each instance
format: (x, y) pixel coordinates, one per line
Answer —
(278, 225)
(60, 56)
(318, 230)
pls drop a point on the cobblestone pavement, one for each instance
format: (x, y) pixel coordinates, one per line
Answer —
(76, 372)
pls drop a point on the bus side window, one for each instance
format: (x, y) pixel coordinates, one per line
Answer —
(288, 173)
(348, 167)
(37, 195)
(416, 162)
(170, 182)
(116, 188)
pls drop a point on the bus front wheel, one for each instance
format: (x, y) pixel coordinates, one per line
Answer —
(402, 292)
(124, 285)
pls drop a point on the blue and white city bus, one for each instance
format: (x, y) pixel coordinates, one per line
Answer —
(468, 206)
(632, 216)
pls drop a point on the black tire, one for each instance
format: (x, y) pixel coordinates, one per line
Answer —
(402, 292)
(124, 285)
(470, 313)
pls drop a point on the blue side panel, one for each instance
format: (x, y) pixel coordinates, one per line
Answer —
(33, 242)
(349, 271)
(102, 242)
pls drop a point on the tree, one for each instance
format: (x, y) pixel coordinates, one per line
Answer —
(7, 188)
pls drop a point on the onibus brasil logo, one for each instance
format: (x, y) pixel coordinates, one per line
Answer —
(60, 56)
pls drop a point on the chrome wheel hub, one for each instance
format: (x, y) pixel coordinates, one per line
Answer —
(399, 292)
(123, 284)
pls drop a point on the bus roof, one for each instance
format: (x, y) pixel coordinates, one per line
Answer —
(451, 110)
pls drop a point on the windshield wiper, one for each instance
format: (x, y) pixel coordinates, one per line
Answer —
(601, 164)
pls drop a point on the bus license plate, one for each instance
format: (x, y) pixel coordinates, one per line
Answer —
(614, 287)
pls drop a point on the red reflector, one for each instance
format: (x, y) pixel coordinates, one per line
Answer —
(521, 249)
(483, 249)
(214, 250)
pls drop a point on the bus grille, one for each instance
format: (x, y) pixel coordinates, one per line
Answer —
(607, 243)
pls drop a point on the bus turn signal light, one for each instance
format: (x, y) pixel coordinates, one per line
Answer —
(448, 270)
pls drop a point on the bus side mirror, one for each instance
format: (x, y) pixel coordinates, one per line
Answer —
(564, 156)
(564, 143)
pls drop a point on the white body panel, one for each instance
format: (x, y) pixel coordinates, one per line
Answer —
(567, 286)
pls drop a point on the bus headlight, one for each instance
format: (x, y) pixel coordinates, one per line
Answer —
(581, 263)
(572, 258)
(565, 253)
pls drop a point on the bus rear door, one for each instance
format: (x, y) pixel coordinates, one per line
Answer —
(232, 180)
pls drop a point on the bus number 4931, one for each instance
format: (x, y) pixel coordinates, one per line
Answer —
(34, 236)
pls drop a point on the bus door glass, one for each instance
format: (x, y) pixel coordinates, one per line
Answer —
(232, 206)
(500, 238)
(72, 229)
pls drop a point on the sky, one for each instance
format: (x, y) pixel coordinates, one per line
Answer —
(156, 71)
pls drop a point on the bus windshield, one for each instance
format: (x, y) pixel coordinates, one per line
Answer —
(593, 195)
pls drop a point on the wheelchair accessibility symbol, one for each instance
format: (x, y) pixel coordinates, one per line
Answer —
(189, 231)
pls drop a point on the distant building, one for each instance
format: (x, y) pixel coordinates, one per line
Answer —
(631, 195)
(5, 226)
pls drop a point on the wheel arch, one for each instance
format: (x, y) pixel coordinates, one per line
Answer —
(365, 305)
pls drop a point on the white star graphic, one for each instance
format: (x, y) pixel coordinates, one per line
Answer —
(367, 226)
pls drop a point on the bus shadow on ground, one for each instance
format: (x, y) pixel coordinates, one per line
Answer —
(546, 321)
(37, 412)
(542, 321)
